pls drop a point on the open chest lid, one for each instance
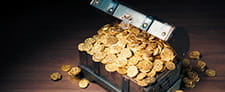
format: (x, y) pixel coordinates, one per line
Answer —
(177, 38)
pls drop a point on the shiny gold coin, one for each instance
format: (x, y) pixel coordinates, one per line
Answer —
(74, 71)
(56, 76)
(121, 61)
(97, 57)
(151, 46)
(156, 51)
(134, 60)
(158, 65)
(147, 53)
(114, 30)
(150, 80)
(194, 55)
(65, 68)
(200, 64)
(84, 83)
(152, 73)
(122, 70)
(111, 67)
(131, 38)
(87, 46)
(81, 47)
(106, 27)
(210, 72)
(110, 58)
(141, 76)
(97, 47)
(145, 66)
(142, 83)
(110, 40)
(126, 53)
(132, 71)
(167, 54)
(89, 40)
(115, 49)
(170, 65)
(134, 30)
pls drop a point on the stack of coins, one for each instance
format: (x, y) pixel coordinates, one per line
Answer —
(132, 52)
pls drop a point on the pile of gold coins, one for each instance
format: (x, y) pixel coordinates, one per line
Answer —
(73, 72)
(130, 52)
(192, 67)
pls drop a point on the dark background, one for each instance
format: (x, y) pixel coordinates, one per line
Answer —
(38, 36)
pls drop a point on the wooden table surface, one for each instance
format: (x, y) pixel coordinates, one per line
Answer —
(40, 36)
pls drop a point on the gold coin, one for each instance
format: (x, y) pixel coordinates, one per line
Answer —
(65, 68)
(134, 60)
(115, 49)
(210, 72)
(111, 67)
(200, 64)
(74, 71)
(145, 66)
(89, 40)
(150, 80)
(142, 83)
(81, 47)
(152, 73)
(186, 62)
(132, 71)
(56, 76)
(170, 65)
(121, 70)
(197, 79)
(121, 61)
(186, 80)
(167, 54)
(97, 48)
(110, 40)
(158, 65)
(192, 75)
(110, 58)
(134, 30)
(146, 53)
(87, 46)
(84, 83)
(126, 53)
(151, 46)
(194, 55)
(97, 57)
(114, 30)
(131, 38)
(141, 76)
(190, 85)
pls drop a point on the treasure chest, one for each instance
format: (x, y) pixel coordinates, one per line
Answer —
(144, 70)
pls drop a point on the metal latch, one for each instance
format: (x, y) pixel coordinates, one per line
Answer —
(127, 15)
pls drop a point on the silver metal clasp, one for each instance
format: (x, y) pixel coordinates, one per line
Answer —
(126, 21)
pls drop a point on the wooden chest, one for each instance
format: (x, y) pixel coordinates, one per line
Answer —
(115, 82)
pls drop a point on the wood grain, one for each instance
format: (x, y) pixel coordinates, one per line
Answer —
(39, 37)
